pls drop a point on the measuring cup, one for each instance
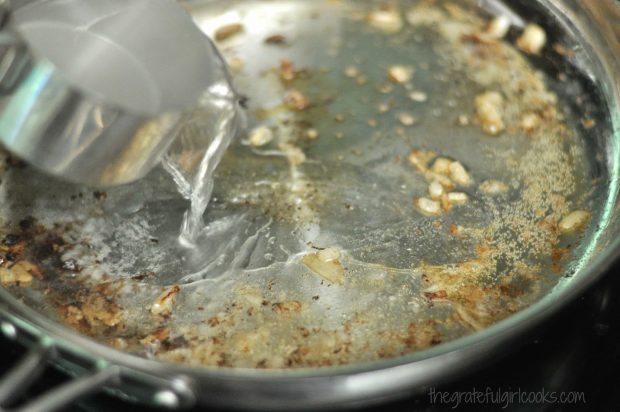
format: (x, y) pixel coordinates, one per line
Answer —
(94, 91)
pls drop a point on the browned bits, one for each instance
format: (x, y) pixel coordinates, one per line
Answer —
(224, 334)
(454, 229)
(236, 64)
(97, 309)
(285, 307)
(588, 123)
(156, 337)
(563, 51)
(165, 301)
(99, 195)
(118, 343)
(440, 294)
(19, 274)
(73, 315)
(296, 100)
(420, 159)
(385, 88)
(287, 70)
(13, 246)
(227, 31)
(276, 39)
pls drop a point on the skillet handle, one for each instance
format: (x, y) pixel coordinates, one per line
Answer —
(91, 375)
(28, 370)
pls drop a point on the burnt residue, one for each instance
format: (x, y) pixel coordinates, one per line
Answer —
(27, 223)
(10, 240)
(91, 310)
(100, 195)
(70, 265)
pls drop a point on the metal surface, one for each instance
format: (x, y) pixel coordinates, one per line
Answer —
(595, 53)
(100, 124)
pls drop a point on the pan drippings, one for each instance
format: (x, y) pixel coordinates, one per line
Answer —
(408, 177)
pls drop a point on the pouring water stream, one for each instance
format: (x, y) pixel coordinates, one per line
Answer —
(219, 106)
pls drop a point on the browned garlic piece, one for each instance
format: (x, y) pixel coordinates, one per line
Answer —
(493, 187)
(227, 31)
(399, 73)
(437, 177)
(457, 198)
(260, 136)
(436, 190)
(533, 39)
(296, 100)
(388, 20)
(573, 222)
(236, 64)
(326, 263)
(459, 174)
(19, 274)
(406, 119)
(328, 254)
(294, 154)
(489, 110)
(351, 71)
(165, 301)
(312, 134)
(530, 121)
(428, 207)
(441, 165)
(462, 120)
(383, 107)
(420, 159)
(498, 27)
(418, 96)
